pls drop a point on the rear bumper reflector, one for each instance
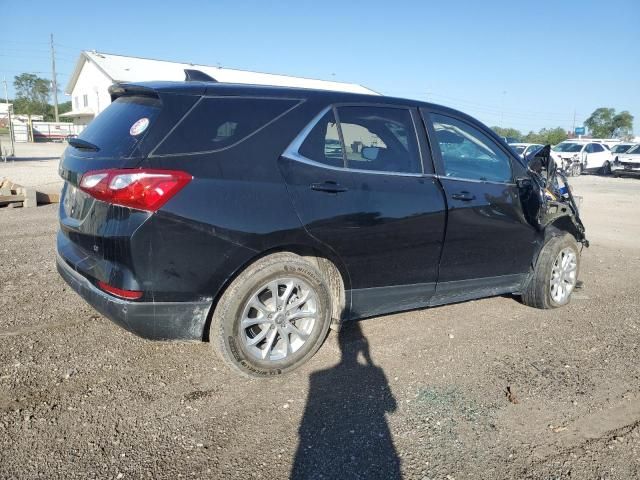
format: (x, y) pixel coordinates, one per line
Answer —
(118, 292)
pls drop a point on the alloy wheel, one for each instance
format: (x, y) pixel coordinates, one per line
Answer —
(278, 319)
(564, 275)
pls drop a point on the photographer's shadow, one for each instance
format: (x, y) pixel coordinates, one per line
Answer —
(344, 432)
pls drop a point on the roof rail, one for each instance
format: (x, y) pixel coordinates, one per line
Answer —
(197, 76)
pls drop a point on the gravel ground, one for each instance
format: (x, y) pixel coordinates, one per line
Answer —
(417, 395)
(35, 165)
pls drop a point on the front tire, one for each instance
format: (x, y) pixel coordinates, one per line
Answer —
(555, 274)
(577, 169)
(273, 317)
(606, 168)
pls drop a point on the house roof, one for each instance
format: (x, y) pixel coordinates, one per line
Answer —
(120, 68)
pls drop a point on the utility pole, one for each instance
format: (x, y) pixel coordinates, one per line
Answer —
(54, 81)
(11, 136)
(573, 128)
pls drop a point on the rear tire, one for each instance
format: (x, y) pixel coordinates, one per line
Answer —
(262, 334)
(555, 274)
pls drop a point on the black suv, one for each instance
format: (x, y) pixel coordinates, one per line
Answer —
(257, 218)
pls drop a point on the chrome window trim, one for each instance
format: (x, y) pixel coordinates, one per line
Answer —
(292, 151)
(294, 146)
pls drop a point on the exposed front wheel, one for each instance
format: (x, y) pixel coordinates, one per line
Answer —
(606, 168)
(577, 169)
(555, 274)
(273, 317)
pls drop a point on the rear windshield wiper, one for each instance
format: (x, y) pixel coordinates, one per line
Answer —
(83, 144)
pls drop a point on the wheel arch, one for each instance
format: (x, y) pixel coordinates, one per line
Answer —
(331, 267)
(562, 225)
(559, 226)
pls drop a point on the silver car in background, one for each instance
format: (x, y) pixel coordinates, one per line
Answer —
(523, 149)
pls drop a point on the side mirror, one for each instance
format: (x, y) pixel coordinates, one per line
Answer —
(540, 159)
(533, 152)
(370, 153)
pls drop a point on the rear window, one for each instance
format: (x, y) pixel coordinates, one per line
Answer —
(217, 123)
(568, 147)
(112, 131)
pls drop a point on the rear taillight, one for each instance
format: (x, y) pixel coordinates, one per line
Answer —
(118, 292)
(141, 189)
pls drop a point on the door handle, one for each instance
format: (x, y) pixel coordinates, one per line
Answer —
(329, 187)
(464, 196)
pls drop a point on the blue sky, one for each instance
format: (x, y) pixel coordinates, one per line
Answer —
(522, 64)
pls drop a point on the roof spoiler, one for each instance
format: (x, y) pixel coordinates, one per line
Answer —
(119, 89)
(197, 76)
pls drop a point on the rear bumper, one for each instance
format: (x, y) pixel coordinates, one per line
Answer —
(152, 320)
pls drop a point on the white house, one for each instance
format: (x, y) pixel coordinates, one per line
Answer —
(95, 72)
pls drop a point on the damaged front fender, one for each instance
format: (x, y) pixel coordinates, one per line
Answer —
(547, 199)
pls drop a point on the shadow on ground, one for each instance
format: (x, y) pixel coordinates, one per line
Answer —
(344, 431)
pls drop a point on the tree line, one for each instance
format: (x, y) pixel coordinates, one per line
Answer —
(602, 123)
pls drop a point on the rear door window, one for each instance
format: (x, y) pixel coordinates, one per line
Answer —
(121, 125)
(379, 138)
(216, 123)
(322, 144)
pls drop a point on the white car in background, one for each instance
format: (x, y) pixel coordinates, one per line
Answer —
(591, 156)
(627, 163)
(523, 149)
(620, 148)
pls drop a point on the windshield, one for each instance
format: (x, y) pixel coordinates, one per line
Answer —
(621, 148)
(520, 149)
(568, 147)
(635, 149)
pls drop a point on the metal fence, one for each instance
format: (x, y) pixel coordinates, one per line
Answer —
(44, 131)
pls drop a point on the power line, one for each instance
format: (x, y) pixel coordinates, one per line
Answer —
(21, 42)
(499, 110)
(491, 108)
(22, 50)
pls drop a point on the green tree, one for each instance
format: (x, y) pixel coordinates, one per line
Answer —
(605, 123)
(546, 136)
(32, 94)
(508, 132)
(64, 107)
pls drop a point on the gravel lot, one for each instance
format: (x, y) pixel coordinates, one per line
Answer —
(412, 395)
(35, 165)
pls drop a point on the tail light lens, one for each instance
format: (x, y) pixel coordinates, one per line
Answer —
(141, 189)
